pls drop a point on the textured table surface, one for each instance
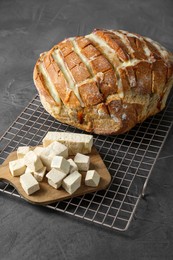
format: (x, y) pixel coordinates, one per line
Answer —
(28, 28)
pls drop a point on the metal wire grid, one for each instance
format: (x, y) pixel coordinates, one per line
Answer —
(129, 158)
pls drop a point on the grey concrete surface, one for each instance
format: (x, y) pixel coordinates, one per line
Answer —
(28, 28)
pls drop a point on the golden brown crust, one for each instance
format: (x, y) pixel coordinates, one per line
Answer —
(40, 84)
(115, 43)
(90, 94)
(143, 77)
(106, 82)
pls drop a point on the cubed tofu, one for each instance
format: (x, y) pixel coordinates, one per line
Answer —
(61, 164)
(33, 161)
(46, 160)
(51, 183)
(56, 148)
(28, 170)
(38, 150)
(39, 175)
(92, 178)
(55, 178)
(29, 183)
(17, 167)
(22, 150)
(72, 182)
(76, 143)
(82, 161)
(73, 166)
(52, 150)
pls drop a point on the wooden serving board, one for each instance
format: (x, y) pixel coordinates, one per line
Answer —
(48, 194)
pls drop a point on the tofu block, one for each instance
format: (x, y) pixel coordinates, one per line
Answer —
(72, 182)
(56, 148)
(92, 178)
(29, 183)
(17, 167)
(38, 150)
(28, 170)
(61, 164)
(76, 143)
(22, 150)
(73, 166)
(39, 175)
(82, 161)
(46, 160)
(51, 183)
(32, 161)
(52, 150)
(55, 178)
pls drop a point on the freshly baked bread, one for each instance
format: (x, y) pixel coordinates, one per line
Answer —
(105, 82)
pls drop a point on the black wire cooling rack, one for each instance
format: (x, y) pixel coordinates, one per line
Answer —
(129, 159)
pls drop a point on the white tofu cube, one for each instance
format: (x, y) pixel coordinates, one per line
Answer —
(61, 164)
(33, 161)
(73, 166)
(39, 175)
(46, 160)
(56, 148)
(22, 150)
(28, 170)
(76, 143)
(51, 183)
(92, 178)
(17, 167)
(29, 183)
(52, 150)
(72, 182)
(38, 150)
(82, 161)
(55, 178)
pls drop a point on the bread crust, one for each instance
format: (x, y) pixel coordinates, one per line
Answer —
(105, 82)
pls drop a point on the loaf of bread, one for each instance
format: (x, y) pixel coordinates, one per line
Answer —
(105, 82)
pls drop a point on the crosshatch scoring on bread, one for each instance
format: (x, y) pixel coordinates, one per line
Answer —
(105, 82)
